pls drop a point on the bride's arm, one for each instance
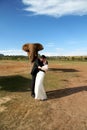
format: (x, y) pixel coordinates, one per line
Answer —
(45, 67)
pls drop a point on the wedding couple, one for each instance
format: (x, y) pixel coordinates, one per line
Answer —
(38, 72)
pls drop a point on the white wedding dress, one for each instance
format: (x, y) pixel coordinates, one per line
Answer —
(39, 87)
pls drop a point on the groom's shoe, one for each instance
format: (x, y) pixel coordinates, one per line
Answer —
(33, 95)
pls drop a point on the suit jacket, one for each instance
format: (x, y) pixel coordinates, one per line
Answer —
(35, 69)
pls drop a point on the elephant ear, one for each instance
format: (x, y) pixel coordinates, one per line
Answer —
(26, 47)
(39, 46)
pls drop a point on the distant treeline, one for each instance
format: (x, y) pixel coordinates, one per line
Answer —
(2, 57)
(59, 58)
(68, 58)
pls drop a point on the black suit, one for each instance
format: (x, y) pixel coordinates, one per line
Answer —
(34, 72)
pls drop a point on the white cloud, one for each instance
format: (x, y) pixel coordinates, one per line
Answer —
(65, 52)
(76, 52)
(81, 42)
(59, 49)
(56, 8)
(50, 45)
(12, 52)
(52, 52)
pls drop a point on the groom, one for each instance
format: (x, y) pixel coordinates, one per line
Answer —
(34, 71)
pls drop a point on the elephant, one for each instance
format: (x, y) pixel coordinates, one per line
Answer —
(32, 50)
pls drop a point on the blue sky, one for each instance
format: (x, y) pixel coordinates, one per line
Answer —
(59, 25)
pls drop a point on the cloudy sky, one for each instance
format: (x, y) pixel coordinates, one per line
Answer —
(59, 25)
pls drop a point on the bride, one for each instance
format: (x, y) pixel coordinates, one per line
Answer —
(39, 87)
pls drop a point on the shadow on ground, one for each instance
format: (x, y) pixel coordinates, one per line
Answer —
(65, 92)
(15, 83)
(64, 70)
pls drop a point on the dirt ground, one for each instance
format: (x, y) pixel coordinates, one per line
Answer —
(65, 109)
